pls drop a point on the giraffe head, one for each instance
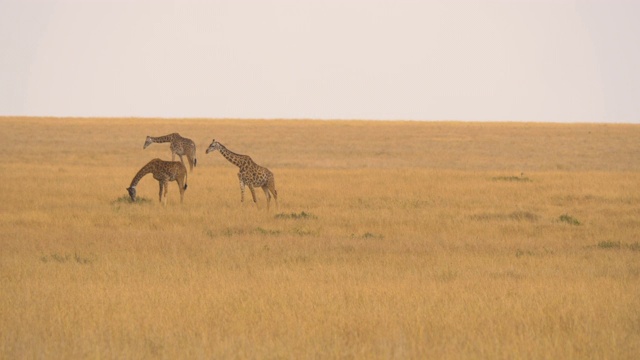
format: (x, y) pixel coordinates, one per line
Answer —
(213, 147)
(132, 193)
(147, 142)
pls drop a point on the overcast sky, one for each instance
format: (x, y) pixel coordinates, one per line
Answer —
(554, 60)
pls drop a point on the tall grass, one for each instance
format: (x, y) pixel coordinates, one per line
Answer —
(392, 240)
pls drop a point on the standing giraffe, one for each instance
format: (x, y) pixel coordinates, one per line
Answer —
(250, 174)
(163, 171)
(179, 146)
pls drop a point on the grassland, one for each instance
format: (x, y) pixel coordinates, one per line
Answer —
(391, 240)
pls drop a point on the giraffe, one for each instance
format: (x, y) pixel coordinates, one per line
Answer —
(250, 174)
(163, 171)
(179, 146)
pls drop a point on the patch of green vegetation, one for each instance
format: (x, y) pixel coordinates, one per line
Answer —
(66, 258)
(125, 199)
(609, 245)
(569, 219)
(523, 215)
(367, 235)
(55, 258)
(305, 232)
(520, 253)
(263, 231)
(516, 215)
(297, 259)
(229, 232)
(511, 178)
(302, 215)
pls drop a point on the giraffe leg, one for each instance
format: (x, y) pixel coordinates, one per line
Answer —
(182, 161)
(166, 190)
(241, 188)
(271, 185)
(275, 195)
(161, 190)
(191, 162)
(181, 187)
(265, 188)
(253, 193)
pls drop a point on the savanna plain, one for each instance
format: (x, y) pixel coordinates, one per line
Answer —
(390, 240)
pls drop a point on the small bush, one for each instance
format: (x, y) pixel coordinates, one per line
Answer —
(569, 219)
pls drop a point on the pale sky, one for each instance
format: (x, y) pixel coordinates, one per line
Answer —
(508, 60)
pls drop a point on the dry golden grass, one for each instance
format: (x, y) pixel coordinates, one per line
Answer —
(392, 240)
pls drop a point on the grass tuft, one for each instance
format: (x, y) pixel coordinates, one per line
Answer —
(569, 220)
(263, 231)
(367, 235)
(67, 258)
(511, 178)
(303, 231)
(520, 253)
(302, 215)
(515, 216)
(523, 215)
(609, 245)
(124, 199)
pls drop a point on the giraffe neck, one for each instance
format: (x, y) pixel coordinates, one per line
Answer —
(163, 139)
(144, 171)
(236, 159)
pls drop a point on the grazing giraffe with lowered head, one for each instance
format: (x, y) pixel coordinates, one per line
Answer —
(163, 171)
(250, 174)
(179, 146)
